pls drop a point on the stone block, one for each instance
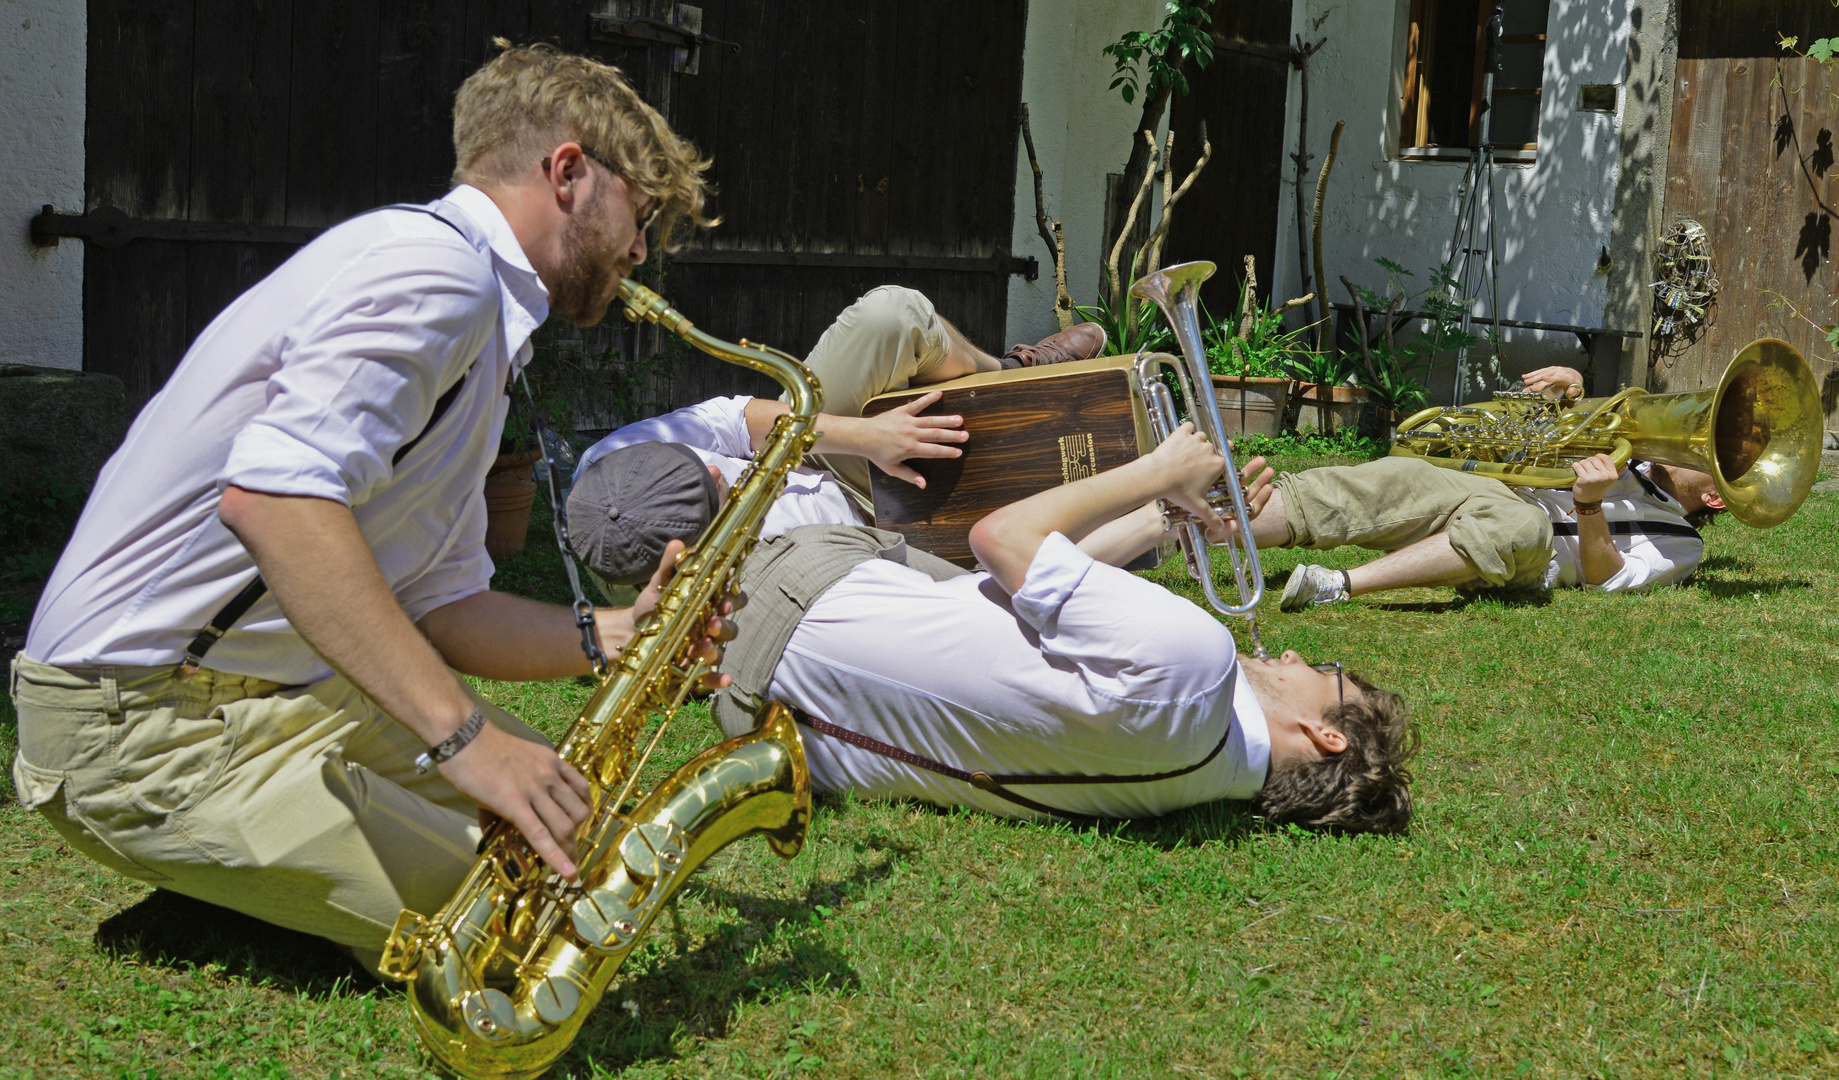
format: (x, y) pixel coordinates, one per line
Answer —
(69, 421)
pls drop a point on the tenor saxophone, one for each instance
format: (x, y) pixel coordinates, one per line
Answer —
(502, 977)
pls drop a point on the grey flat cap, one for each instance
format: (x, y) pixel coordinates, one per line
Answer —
(629, 504)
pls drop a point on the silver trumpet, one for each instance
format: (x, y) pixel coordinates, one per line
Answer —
(1173, 290)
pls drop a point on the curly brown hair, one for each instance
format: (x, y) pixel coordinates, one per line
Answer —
(1365, 788)
(529, 98)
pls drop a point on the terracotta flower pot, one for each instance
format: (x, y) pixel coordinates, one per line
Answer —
(510, 492)
(1328, 409)
(1251, 406)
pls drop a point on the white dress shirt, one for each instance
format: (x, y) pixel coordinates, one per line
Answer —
(1648, 559)
(309, 384)
(1087, 670)
(717, 431)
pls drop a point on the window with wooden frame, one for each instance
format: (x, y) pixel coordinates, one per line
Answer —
(1445, 55)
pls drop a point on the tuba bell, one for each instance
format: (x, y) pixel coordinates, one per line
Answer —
(1757, 433)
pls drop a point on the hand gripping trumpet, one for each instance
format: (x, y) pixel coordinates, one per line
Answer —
(1173, 290)
(501, 979)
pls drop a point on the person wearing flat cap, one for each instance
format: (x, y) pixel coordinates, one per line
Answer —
(1054, 685)
(891, 338)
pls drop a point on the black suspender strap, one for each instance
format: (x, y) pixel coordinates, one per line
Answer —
(994, 783)
(240, 604)
(1632, 528)
(220, 625)
(1647, 485)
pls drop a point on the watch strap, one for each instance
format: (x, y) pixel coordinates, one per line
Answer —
(452, 744)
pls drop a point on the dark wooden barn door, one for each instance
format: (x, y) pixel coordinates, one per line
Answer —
(854, 145)
(1752, 161)
(1232, 209)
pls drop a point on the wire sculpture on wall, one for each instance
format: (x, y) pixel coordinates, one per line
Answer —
(1687, 289)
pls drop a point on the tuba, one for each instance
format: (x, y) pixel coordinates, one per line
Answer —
(1173, 289)
(1757, 433)
(501, 979)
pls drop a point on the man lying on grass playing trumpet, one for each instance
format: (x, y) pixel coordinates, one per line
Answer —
(1054, 684)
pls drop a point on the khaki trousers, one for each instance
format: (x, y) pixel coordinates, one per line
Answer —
(1386, 504)
(880, 343)
(297, 805)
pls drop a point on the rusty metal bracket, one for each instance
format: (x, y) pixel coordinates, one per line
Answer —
(111, 227)
(615, 30)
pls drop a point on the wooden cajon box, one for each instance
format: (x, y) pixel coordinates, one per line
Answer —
(1031, 429)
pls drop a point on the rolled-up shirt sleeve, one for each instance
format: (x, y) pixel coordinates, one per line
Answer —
(718, 426)
(359, 377)
(1657, 561)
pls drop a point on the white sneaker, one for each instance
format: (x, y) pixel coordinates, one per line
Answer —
(1310, 585)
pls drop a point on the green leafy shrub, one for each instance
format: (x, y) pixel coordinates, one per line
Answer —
(36, 519)
(1393, 371)
(1257, 346)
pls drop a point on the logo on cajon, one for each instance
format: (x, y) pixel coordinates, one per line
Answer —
(1078, 457)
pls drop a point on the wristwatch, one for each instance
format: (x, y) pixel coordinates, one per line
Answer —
(452, 744)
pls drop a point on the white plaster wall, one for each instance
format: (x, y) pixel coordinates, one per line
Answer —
(1082, 130)
(43, 50)
(1554, 215)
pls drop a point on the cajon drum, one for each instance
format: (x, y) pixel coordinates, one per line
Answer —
(1031, 429)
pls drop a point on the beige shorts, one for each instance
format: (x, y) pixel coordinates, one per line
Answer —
(1386, 504)
(880, 343)
(298, 805)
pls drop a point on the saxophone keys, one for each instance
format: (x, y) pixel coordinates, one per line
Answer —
(489, 1014)
(602, 919)
(555, 1000)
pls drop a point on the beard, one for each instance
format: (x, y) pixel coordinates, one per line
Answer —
(590, 268)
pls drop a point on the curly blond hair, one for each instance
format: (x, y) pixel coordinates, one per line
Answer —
(529, 98)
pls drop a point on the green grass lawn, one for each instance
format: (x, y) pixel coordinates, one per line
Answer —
(1624, 865)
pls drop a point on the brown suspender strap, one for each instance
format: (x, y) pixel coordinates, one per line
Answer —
(994, 783)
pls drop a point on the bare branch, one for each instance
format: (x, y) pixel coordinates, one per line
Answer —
(1040, 204)
(1248, 302)
(1052, 236)
(1321, 193)
(1169, 201)
(1063, 301)
(1130, 219)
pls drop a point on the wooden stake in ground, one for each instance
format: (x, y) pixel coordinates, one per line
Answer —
(1321, 192)
(1054, 239)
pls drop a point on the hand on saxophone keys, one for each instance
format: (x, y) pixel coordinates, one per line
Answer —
(618, 626)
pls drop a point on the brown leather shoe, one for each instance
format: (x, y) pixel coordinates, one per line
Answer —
(1082, 342)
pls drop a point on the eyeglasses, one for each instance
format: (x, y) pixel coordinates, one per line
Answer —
(1333, 667)
(650, 217)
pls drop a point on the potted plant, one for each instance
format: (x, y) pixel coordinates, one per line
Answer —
(1394, 372)
(1250, 364)
(1321, 396)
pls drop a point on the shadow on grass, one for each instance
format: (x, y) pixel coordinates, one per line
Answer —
(1740, 588)
(170, 930)
(777, 946)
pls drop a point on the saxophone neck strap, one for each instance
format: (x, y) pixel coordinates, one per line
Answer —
(997, 784)
(584, 610)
